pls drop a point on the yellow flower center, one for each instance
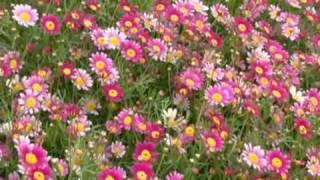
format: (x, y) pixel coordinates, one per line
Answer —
(131, 53)
(276, 93)
(31, 102)
(279, 56)
(66, 71)
(314, 101)
(302, 130)
(145, 155)
(276, 162)
(61, 168)
(156, 48)
(114, 40)
(160, 7)
(259, 70)
(101, 40)
(100, 65)
(141, 175)
(37, 87)
(38, 175)
(199, 24)
(174, 18)
(87, 23)
(128, 120)
(31, 158)
(25, 16)
(80, 127)
(190, 82)
(80, 81)
(189, 131)
(113, 93)
(217, 97)
(109, 178)
(242, 27)
(214, 42)
(50, 25)
(253, 158)
(13, 63)
(211, 142)
(142, 126)
(128, 23)
(155, 134)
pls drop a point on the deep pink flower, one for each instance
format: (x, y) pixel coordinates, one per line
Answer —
(174, 175)
(213, 141)
(278, 161)
(41, 172)
(243, 26)
(193, 78)
(32, 155)
(51, 24)
(132, 51)
(142, 171)
(155, 132)
(112, 173)
(113, 92)
(304, 127)
(125, 118)
(145, 152)
(220, 94)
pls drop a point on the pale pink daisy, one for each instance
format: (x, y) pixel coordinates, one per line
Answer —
(157, 49)
(30, 101)
(99, 38)
(254, 156)
(82, 80)
(114, 38)
(25, 15)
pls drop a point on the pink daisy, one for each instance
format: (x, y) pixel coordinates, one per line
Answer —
(254, 156)
(220, 94)
(99, 38)
(132, 51)
(174, 175)
(114, 38)
(145, 152)
(316, 40)
(174, 16)
(193, 78)
(62, 167)
(113, 127)
(82, 80)
(43, 172)
(304, 127)
(125, 118)
(100, 62)
(213, 141)
(118, 149)
(279, 92)
(142, 171)
(67, 69)
(32, 155)
(112, 173)
(89, 22)
(30, 101)
(155, 132)
(12, 63)
(243, 26)
(157, 49)
(51, 24)
(278, 161)
(36, 84)
(113, 92)
(25, 15)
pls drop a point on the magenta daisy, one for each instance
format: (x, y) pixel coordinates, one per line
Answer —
(145, 152)
(32, 155)
(112, 173)
(100, 61)
(125, 118)
(99, 38)
(142, 171)
(51, 24)
(43, 172)
(193, 78)
(279, 92)
(213, 141)
(25, 15)
(113, 92)
(174, 175)
(243, 26)
(174, 16)
(82, 80)
(220, 94)
(254, 156)
(12, 63)
(157, 49)
(30, 101)
(278, 161)
(132, 51)
(89, 22)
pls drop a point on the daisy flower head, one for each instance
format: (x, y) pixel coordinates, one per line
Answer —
(25, 15)
(221, 13)
(160, 6)
(140, 123)
(243, 26)
(199, 7)
(100, 62)
(89, 22)
(67, 69)
(254, 156)
(99, 38)
(279, 92)
(132, 51)
(291, 32)
(36, 84)
(157, 49)
(30, 101)
(220, 94)
(113, 92)
(142, 171)
(114, 38)
(62, 167)
(118, 149)
(213, 141)
(32, 155)
(278, 161)
(125, 118)
(40, 172)
(174, 175)
(193, 78)
(91, 105)
(82, 80)
(79, 126)
(304, 127)
(313, 168)
(12, 63)
(155, 132)
(112, 173)
(146, 152)
(174, 16)
(51, 24)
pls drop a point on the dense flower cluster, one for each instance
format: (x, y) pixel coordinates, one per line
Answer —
(184, 90)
